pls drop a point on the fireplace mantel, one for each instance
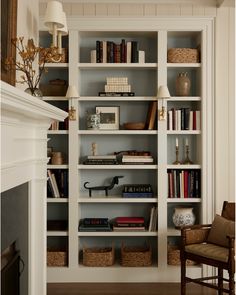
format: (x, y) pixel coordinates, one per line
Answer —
(24, 124)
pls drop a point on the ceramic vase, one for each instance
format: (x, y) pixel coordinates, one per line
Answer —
(34, 92)
(183, 216)
(182, 84)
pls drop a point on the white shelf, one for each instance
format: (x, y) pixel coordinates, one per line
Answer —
(59, 132)
(184, 132)
(182, 166)
(57, 200)
(183, 65)
(118, 234)
(116, 167)
(173, 232)
(55, 98)
(64, 166)
(183, 98)
(116, 199)
(184, 200)
(117, 98)
(52, 233)
(57, 65)
(117, 132)
(93, 66)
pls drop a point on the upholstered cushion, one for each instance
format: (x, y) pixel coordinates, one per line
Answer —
(209, 251)
(221, 227)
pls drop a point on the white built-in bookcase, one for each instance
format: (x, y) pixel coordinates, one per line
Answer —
(155, 36)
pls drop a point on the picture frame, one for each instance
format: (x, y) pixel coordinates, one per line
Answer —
(109, 117)
(8, 32)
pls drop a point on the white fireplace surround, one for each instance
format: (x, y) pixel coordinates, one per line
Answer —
(24, 124)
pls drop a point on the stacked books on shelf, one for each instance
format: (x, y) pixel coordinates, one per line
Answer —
(184, 183)
(117, 86)
(101, 160)
(153, 219)
(111, 52)
(137, 191)
(94, 224)
(57, 183)
(129, 224)
(136, 159)
(183, 119)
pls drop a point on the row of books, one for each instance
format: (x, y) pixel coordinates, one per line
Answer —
(94, 224)
(111, 52)
(57, 183)
(137, 191)
(183, 119)
(56, 125)
(113, 160)
(117, 84)
(184, 183)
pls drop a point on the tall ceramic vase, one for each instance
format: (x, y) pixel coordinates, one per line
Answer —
(182, 84)
(183, 216)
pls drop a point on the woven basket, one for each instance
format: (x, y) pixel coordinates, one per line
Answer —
(173, 256)
(56, 257)
(136, 256)
(98, 256)
(182, 55)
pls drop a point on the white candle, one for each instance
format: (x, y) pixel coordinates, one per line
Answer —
(186, 142)
(176, 142)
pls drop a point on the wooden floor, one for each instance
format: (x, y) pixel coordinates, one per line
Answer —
(125, 289)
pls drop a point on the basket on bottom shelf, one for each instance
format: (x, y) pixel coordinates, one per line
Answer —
(97, 256)
(56, 257)
(173, 256)
(136, 256)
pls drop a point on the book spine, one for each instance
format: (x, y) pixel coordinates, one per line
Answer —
(134, 52)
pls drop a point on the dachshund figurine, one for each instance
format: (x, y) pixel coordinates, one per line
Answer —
(106, 188)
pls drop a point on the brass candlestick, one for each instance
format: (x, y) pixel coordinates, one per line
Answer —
(187, 160)
(177, 162)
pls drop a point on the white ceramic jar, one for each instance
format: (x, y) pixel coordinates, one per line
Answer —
(183, 216)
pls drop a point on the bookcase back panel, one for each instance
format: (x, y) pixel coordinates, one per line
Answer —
(59, 143)
(182, 39)
(57, 211)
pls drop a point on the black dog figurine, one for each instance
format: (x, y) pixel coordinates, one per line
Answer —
(115, 180)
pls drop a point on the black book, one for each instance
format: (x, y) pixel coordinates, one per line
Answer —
(134, 51)
(115, 94)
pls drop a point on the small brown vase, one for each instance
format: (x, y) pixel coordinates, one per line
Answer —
(182, 84)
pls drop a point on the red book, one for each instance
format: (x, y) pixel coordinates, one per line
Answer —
(129, 219)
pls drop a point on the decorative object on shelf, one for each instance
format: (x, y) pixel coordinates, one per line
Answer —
(57, 257)
(163, 93)
(28, 54)
(183, 55)
(55, 87)
(176, 162)
(182, 84)
(136, 256)
(34, 92)
(99, 256)
(70, 94)
(109, 117)
(187, 161)
(94, 149)
(183, 216)
(55, 20)
(57, 158)
(93, 121)
(134, 125)
(106, 188)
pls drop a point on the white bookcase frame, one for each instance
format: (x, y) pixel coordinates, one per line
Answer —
(162, 272)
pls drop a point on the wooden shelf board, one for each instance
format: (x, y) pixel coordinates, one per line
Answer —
(58, 132)
(57, 200)
(117, 65)
(184, 200)
(182, 166)
(118, 234)
(118, 132)
(57, 233)
(57, 166)
(116, 199)
(117, 98)
(194, 132)
(56, 65)
(183, 65)
(116, 167)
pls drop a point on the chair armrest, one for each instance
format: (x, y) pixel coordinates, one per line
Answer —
(195, 234)
(231, 239)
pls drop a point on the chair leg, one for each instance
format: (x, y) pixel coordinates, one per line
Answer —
(183, 275)
(231, 283)
(220, 281)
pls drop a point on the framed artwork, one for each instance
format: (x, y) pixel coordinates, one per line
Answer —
(109, 117)
(8, 31)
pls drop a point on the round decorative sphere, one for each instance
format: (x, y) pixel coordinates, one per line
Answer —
(183, 216)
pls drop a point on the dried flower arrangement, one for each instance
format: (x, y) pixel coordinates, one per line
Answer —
(29, 53)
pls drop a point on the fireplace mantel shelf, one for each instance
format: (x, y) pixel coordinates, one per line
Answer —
(24, 124)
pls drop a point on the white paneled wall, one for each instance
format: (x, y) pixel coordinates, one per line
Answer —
(224, 67)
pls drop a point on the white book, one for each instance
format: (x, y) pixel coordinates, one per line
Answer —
(57, 195)
(128, 51)
(178, 119)
(151, 218)
(141, 56)
(117, 80)
(198, 120)
(170, 120)
(93, 58)
(50, 175)
(148, 160)
(191, 120)
(104, 51)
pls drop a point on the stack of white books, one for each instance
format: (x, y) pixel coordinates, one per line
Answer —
(137, 159)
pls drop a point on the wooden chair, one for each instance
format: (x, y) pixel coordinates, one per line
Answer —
(211, 244)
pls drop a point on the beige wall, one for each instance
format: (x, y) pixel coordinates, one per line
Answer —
(224, 111)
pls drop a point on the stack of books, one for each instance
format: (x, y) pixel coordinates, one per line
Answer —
(101, 160)
(117, 86)
(129, 224)
(130, 159)
(94, 224)
(137, 191)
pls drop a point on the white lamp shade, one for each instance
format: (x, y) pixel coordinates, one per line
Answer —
(72, 92)
(54, 15)
(163, 92)
(63, 30)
